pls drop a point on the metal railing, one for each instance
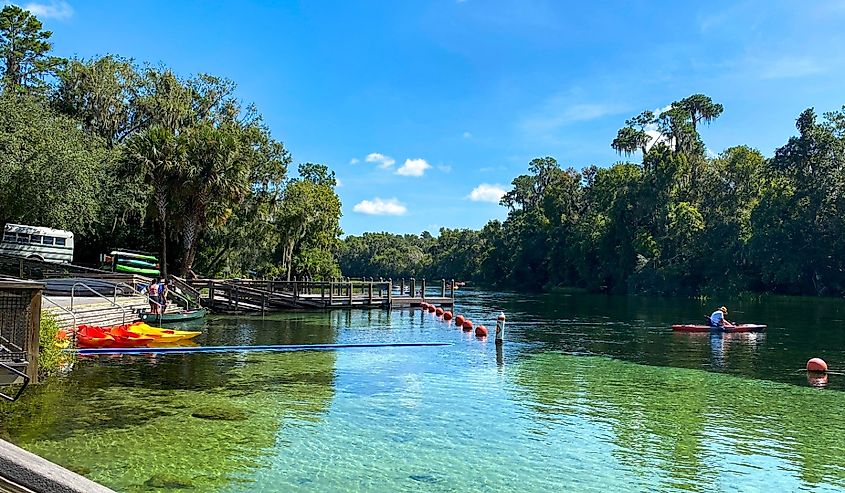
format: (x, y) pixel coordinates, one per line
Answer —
(60, 307)
(134, 289)
(187, 288)
(17, 374)
(73, 296)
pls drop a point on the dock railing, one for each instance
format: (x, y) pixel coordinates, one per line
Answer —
(83, 285)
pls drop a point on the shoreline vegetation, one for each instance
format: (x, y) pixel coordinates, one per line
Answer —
(681, 222)
(134, 156)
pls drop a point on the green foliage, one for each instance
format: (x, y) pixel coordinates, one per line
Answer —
(104, 94)
(24, 48)
(50, 356)
(51, 172)
(308, 224)
(136, 157)
(680, 222)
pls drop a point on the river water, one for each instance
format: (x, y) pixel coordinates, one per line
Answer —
(590, 393)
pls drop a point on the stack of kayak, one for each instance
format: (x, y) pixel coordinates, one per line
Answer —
(138, 334)
(135, 263)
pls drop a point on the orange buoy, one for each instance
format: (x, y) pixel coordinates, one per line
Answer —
(467, 325)
(431, 308)
(447, 315)
(459, 320)
(817, 364)
(481, 331)
(439, 311)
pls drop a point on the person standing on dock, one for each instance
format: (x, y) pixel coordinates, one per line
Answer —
(162, 294)
(152, 296)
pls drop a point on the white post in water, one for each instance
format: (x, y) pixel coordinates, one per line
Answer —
(500, 328)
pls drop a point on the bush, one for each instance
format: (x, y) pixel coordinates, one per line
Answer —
(50, 348)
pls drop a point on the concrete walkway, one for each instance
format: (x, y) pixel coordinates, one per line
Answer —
(91, 300)
(22, 471)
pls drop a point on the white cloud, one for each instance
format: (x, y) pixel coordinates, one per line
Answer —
(338, 183)
(445, 168)
(559, 111)
(354, 160)
(487, 193)
(791, 67)
(467, 135)
(413, 167)
(381, 207)
(53, 9)
(382, 160)
(656, 136)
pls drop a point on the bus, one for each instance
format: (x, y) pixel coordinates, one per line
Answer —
(38, 243)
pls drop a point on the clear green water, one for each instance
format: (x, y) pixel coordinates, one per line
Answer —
(589, 394)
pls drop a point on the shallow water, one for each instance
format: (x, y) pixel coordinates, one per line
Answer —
(590, 393)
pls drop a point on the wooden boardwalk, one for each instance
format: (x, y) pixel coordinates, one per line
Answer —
(238, 295)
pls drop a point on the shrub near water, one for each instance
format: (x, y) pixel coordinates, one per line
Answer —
(50, 350)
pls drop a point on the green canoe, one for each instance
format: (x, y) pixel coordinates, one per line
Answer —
(131, 262)
(136, 270)
(180, 316)
(133, 255)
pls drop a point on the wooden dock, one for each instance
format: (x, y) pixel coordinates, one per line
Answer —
(239, 295)
(256, 296)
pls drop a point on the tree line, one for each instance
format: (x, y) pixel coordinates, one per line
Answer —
(678, 222)
(133, 156)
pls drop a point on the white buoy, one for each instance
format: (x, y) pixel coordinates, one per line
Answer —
(500, 328)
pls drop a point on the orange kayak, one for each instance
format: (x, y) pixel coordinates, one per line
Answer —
(127, 336)
(88, 336)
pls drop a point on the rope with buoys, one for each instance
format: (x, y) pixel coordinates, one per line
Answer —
(466, 324)
(818, 371)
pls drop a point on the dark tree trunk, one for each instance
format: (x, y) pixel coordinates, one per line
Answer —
(161, 205)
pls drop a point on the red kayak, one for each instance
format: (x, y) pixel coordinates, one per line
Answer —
(707, 328)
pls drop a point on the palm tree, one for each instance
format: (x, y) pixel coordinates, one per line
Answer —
(215, 177)
(157, 154)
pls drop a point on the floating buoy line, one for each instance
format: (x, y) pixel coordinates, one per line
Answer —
(466, 324)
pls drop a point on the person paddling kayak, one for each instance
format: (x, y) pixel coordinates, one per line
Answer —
(718, 320)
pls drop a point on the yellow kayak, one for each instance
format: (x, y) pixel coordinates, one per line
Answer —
(163, 335)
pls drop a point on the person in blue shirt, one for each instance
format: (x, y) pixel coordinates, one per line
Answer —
(718, 320)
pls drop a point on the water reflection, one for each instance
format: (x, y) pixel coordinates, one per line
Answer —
(678, 423)
(637, 329)
(199, 421)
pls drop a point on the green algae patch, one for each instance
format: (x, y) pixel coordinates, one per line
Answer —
(167, 481)
(201, 437)
(226, 413)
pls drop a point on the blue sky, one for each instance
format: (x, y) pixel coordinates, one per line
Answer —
(450, 99)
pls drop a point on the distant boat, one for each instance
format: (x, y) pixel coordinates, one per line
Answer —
(180, 316)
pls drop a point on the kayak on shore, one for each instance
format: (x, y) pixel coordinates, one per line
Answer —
(138, 334)
(730, 328)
